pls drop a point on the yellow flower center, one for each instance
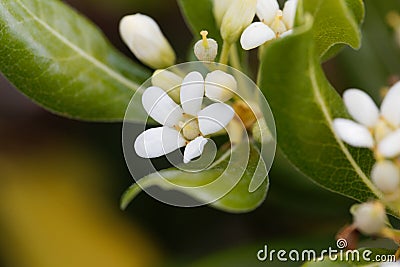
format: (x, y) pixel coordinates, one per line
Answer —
(278, 26)
(190, 127)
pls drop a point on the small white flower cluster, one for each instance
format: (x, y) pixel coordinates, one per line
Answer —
(274, 23)
(236, 16)
(378, 130)
(187, 124)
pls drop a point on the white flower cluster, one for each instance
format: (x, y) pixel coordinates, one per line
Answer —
(274, 23)
(188, 124)
(378, 130)
(144, 38)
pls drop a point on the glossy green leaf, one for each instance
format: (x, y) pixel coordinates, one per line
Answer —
(366, 257)
(337, 23)
(199, 16)
(63, 62)
(304, 105)
(239, 199)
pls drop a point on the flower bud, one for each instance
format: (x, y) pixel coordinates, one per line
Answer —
(169, 82)
(206, 49)
(219, 9)
(144, 38)
(393, 19)
(238, 16)
(369, 218)
(235, 131)
(220, 86)
(261, 132)
(386, 176)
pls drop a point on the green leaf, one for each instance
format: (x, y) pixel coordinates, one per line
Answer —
(336, 23)
(372, 258)
(304, 105)
(63, 62)
(199, 16)
(379, 55)
(237, 200)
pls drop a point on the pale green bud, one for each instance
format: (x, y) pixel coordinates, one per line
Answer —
(219, 9)
(238, 16)
(369, 218)
(169, 82)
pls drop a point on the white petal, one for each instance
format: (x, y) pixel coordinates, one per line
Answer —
(289, 13)
(214, 118)
(266, 10)
(161, 107)
(194, 149)
(206, 52)
(386, 176)
(389, 147)
(353, 133)
(255, 35)
(192, 92)
(390, 108)
(220, 86)
(361, 107)
(158, 141)
(286, 33)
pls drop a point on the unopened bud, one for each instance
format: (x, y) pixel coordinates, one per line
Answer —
(219, 9)
(144, 38)
(369, 218)
(235, 131)
(206, 49)
(386, 176)
(238, 16)
(169, 82)
(393, 19)
(261, 132)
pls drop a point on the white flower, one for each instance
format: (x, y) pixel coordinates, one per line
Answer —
(369, 218)
(374, 128)
(274, 23)
(144, 38)
(206, 49)
(186, 124)
(386, 176)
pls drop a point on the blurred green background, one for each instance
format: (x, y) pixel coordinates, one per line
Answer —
(61, 180)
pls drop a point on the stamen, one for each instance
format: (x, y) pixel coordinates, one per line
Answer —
(204, 35)
(277, 25)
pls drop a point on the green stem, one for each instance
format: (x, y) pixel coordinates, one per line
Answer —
(234, 58)
(226, 47)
